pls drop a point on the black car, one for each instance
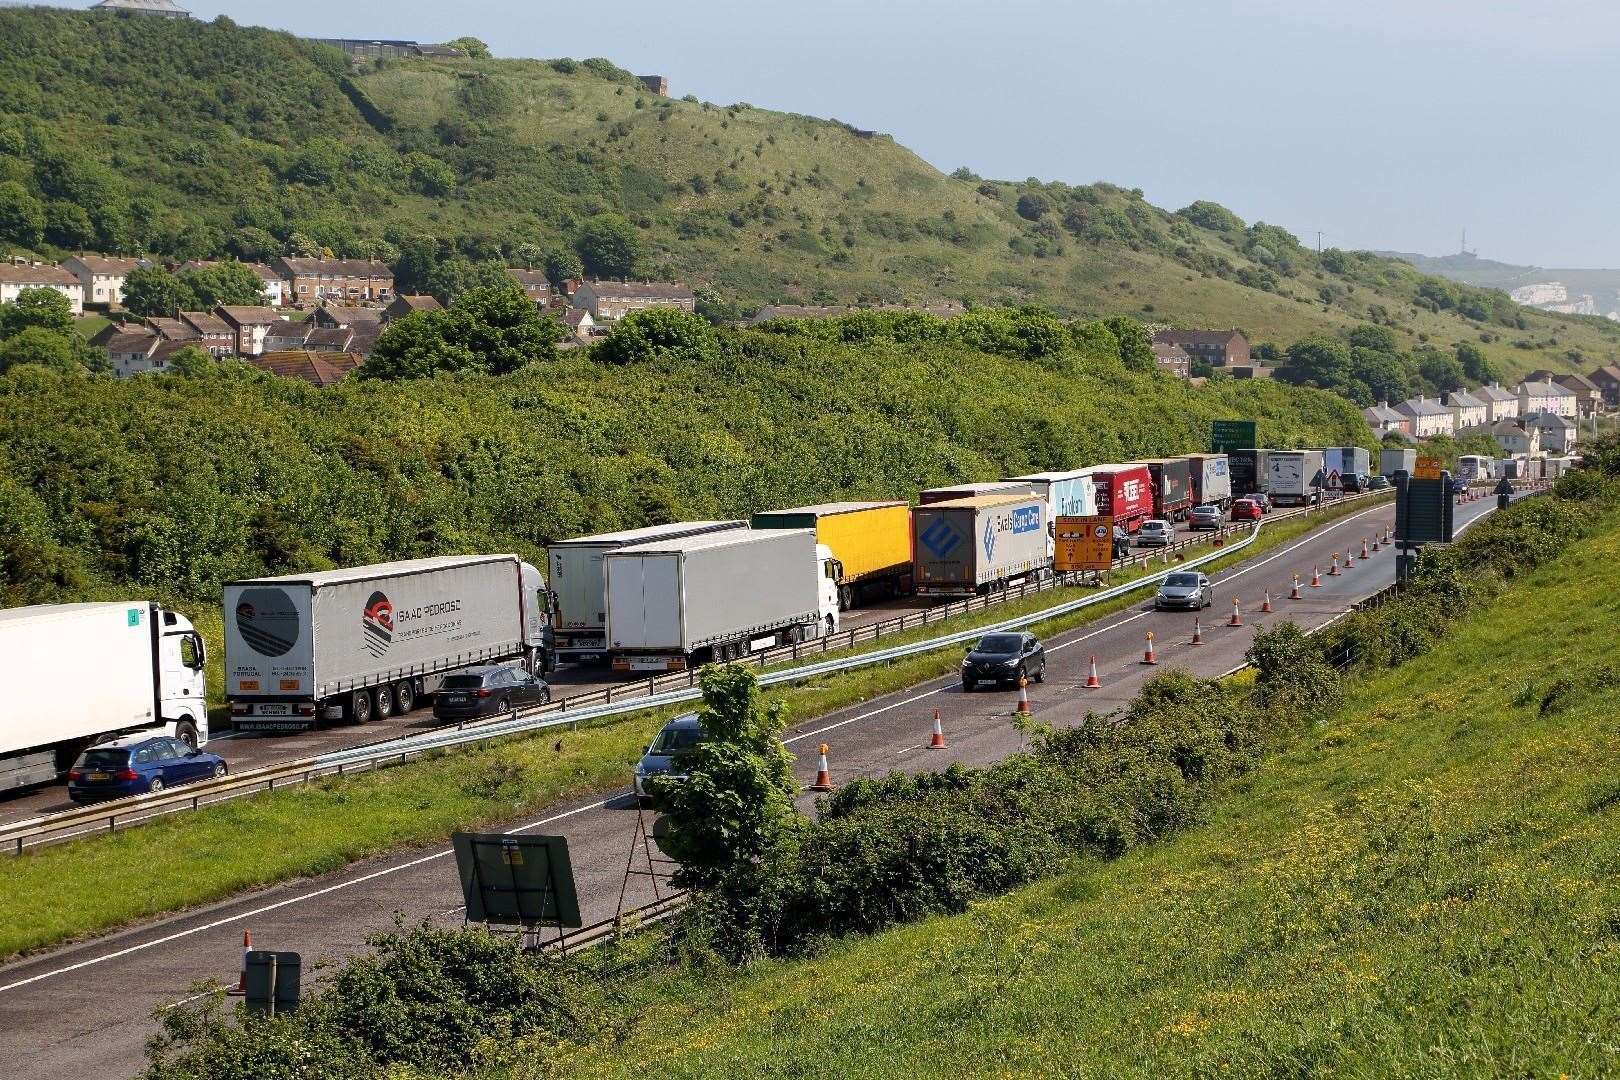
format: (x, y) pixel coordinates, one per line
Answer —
(1004, 659)
(487, 691)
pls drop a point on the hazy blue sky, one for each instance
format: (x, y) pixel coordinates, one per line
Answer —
(1382, 123)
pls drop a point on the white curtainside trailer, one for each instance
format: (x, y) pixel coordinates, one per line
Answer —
(718, 596)
(370, 641)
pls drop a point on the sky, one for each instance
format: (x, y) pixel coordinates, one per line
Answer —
(1389, 124)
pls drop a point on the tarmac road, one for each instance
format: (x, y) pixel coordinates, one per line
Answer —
(85, 1009)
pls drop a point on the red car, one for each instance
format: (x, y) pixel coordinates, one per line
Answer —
(1246, 510)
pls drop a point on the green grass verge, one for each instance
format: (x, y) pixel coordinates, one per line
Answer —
(1426, 885)
(57, 893)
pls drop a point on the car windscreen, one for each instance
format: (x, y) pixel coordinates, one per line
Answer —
(1000, 643)
(1181, 581)
(105, 759)
(674, 740)
(463, 682)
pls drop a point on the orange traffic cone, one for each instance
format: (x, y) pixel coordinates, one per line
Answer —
(1147, 654)
(1349, 559)
(1333, 571)
(1295, 594)
(241, 980)
(1092, 682)
(1316, 577)
(823, 777)
(1375, 542)
(937, 742)
(1198, 631)
(1364, 547)
(1266, 607)
(1023, 697)
(1237, 614)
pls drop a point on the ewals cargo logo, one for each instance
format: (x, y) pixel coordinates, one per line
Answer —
(378, 623)
(1024, 519)
(940, 538)
(267, 621)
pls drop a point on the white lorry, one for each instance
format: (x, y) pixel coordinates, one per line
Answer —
(969, 546)
(367, 642)
(79, 674)
(1211, 480)
(579, 588)
(718, 596)
(1295, 477)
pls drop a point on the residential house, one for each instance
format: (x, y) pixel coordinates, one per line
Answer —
(1383, 419)
(1217, 348)
(1545, 396)
(1500, 404)
(251, 325)
(163, 9)
(275, 290)
(209, 332)
(1172, 359)
(365, 325)
(798, 311)
(16, 276)
(1515, 438)
(137, 351)
(102, 276)
(294, 335)
(616, 299)
(171, 329)
(316, 368)
(1607, 380)
(579, 323)
(533, 283)
(309, 280)
(403, 305)
(1429, 418)
(1588, 395)
(1467, 410)
(1558, 433)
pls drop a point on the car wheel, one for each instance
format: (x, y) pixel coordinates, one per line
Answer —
(1040, 676)
(404, 697)
(360, 707)
(384, 707)
(220, 770)
(545, 696)
(186, 732)
(155, 784)
(505, 705)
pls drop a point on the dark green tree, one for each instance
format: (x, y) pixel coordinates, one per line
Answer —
(1441, 372)
(658, 334)
(22, 217)
(36, 345)
(1135, 346)
(1476, 366)
(563, 264)
(609, 247)
(152, 290)
(43, 309)
(1374, 337)
(228, 283)
(1319, 360)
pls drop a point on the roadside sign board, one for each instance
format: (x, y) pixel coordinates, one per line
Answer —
(1423, 511)
(1429, 468)
(1083, 543)
(1334, 481)
(1228, 435)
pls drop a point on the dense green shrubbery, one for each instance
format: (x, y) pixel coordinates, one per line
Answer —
(172, 485)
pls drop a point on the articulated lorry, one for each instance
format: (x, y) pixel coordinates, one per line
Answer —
(968, 546)
(1346, 468)
(370, 641)
(673, 604)
(1248, 469)
(1172, 486)
(80, 674)
(1125, 492)
(1211, 480)
(1295, 477)
(870, 544)
(579, 587)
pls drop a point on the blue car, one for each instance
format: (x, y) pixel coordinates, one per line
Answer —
(137, 764)
(680, 734)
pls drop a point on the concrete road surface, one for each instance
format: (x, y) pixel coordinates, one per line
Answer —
(85, 1009)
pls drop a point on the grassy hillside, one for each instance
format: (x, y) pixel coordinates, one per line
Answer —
(1427, 886)
(130, 133)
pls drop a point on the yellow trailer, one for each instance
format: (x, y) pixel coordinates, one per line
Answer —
(870, 543)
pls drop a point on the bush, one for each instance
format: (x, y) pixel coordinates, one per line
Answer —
(658, 334)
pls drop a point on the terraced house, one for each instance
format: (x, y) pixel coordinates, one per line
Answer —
(335, 279)
(616, 299)
(18, 276)
(1500, 404)
(102, 276)
(1428, 417)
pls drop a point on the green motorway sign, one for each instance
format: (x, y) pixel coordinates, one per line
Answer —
(1225, 435)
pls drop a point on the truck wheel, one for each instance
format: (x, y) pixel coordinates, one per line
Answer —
(404, 697)
(360, 707)
(384, 707)
(846, 597)
(186, 732)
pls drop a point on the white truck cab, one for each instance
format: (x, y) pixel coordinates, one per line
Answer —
(832, 572)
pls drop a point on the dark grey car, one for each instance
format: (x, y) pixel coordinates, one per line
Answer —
(488, 691)
(1004, 659)
(1187, 590)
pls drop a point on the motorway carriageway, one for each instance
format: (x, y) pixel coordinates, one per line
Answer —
(85, 1009)
(252, 751)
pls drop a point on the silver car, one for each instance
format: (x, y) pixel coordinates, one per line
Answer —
(1155, 532)
(1185, 590)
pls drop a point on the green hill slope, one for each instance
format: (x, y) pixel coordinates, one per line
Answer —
(1424, 886)
(194, 140)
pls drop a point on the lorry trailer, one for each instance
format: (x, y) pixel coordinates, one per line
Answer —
(969, 546)
(1391, 462)
(870, 544)
(1068, 492)
(1125, 492)
(672, 604)
(972, 491)
(1294, 477)
(369, 641)
(579, 589)
(1248, 469)
(80, 674)
(1348, 467)
(1211, 480)
(1172, 486)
